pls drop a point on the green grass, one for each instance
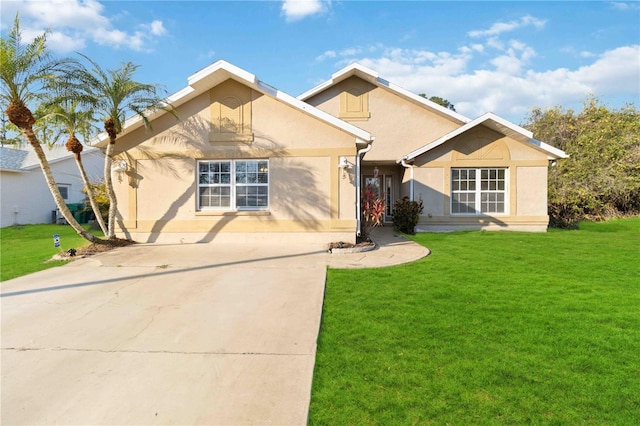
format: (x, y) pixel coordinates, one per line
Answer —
(26, 249)
(493, 328)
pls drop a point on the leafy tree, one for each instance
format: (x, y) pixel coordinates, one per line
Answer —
(440, 101)
(66, 116)
(113, 94)
(24, 68)
(601, 178)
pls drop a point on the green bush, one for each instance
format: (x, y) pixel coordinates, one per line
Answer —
(406, 214)
(601, 178)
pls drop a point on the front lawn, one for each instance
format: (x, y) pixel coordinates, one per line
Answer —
(492, 328)
(26, 249)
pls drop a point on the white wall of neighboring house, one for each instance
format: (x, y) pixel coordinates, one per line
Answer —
(25, 197)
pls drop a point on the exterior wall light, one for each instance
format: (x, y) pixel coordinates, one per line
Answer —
(343, 164)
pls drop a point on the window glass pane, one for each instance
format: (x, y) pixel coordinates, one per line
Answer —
(484, 174)
(64, 191)
(250, 179)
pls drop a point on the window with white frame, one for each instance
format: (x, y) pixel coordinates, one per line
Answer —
(233, 185)
(478, 190)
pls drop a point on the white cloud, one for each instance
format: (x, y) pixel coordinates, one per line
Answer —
(506, 86)
(157, 28)
(618, 5)
(502, 27)
(326, 55)
(295, 10)
(207, 56)
(74, 23)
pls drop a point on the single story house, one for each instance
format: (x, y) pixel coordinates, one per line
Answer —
(24, 195)
(244, 158)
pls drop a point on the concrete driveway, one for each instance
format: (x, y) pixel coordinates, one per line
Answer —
(164, 334)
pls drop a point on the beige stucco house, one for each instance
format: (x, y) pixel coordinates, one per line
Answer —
(246, 159)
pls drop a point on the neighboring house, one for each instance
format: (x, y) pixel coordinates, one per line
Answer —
(248, 159)
(24, 195)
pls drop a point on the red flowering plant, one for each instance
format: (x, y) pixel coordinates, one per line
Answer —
(372, 211)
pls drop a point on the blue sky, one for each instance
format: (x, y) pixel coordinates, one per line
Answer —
(501, 57)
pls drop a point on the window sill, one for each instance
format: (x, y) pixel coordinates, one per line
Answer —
(233, 213)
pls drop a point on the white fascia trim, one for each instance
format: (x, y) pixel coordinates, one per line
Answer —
(553, 152)
(250, 80)
(491, 116)
(311, 110)
(373, 77)
(338, 76)
(135, 121)
(222, 65)
(424, 101)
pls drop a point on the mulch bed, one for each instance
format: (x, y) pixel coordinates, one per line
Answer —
(92, 249)
(342, 247)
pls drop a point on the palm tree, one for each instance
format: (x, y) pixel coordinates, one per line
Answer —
(65, 114)
(113, 94)
(24, 67)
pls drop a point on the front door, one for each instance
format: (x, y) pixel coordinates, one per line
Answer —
(383, 187)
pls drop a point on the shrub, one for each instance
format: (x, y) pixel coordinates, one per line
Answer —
(406, 214)
(372, 211)
(601, 178)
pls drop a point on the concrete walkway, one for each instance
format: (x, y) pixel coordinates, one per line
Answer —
(171, 334)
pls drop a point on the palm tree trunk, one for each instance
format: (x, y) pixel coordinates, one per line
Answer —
(53, 187)
(90, 195)
(113, 203)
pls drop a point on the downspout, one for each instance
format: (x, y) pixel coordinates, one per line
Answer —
(410, 167)
(359, 156)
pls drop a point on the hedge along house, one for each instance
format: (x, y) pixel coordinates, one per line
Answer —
(244, 159)
(485, 173)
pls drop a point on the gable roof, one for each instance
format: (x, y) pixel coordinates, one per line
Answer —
(372, 77)
(22, 159)
(498, 124)
(218, 72)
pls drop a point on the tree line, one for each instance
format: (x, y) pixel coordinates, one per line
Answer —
(601, 178)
